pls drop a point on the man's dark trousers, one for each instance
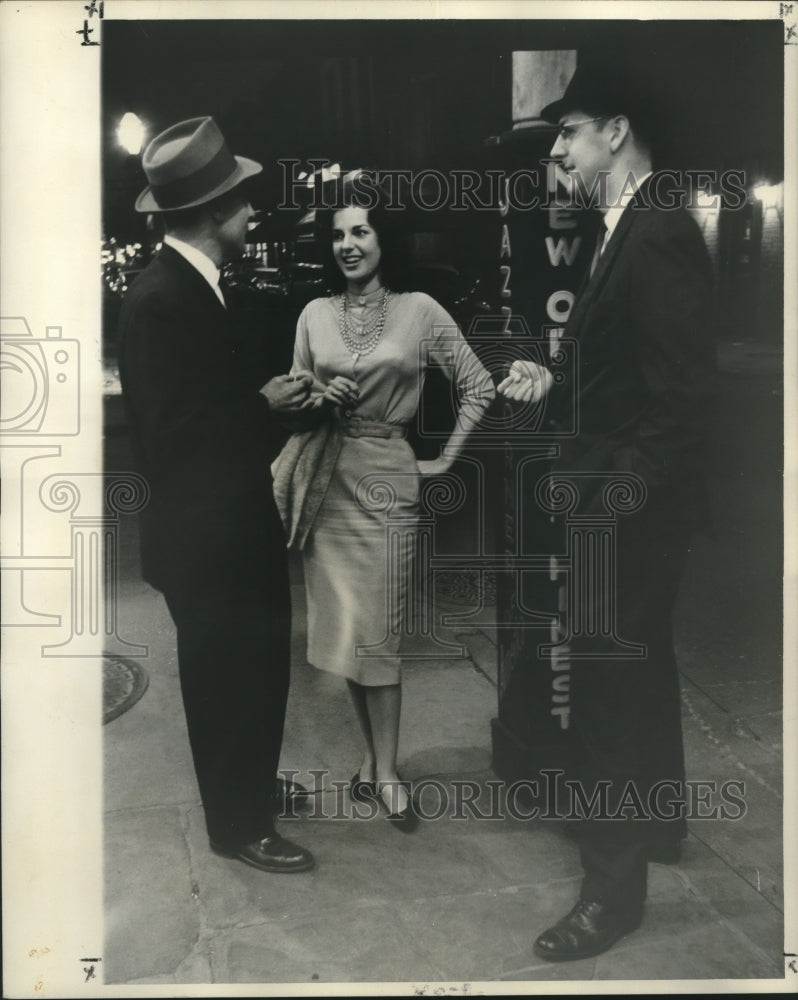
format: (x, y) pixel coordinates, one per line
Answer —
(233, 648)
(626, 717)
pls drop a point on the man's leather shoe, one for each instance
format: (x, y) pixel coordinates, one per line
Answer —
(587, 930)
(271, 854)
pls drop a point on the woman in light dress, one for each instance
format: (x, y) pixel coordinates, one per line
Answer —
(368, 347)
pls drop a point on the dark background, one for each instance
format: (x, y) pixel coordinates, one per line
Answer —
(420, 94)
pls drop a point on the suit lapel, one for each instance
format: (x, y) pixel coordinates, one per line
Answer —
(592, 285)
(195, 283)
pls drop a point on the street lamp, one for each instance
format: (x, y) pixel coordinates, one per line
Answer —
(769, 194)
(131, 133)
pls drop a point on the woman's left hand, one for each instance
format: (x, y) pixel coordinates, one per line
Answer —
(342, 391)
(339, 392)
(434, 466)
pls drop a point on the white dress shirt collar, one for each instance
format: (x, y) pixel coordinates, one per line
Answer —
(198, 260)
(613, 215)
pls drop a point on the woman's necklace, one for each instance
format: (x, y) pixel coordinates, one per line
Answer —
(361, 338)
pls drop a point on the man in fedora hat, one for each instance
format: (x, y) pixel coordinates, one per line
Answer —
(642, 322)
(204, 431)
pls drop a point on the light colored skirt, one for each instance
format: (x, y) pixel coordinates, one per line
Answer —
(356, 581)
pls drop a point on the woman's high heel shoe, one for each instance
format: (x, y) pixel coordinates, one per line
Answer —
(362, 791)
(407, 819)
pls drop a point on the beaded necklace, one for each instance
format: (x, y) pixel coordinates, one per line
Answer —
(364, 337)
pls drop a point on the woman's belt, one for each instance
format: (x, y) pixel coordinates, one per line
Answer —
(358, 427)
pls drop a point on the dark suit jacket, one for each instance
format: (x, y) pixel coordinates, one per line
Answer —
(201, 431)
(644, 330)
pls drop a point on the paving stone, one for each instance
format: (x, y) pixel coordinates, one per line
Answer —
(445, 708)
(768, 730)
(751, 697)
(353, 943)
(483, 936)
(749, 912)
(730, 739)
(750, 845)
(151, 919)
(523, 851)
(196, 968)
(707, 950)
(676, 918)
(148, 758)
(754, 860)
(527, 854)
(348, 854)
(482, 650)
(147, 755)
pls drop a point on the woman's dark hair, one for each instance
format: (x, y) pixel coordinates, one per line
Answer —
(388, 223)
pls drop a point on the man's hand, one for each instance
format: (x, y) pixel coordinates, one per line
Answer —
(527, 382)
(287, 394)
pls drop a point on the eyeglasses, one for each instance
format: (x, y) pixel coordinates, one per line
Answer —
(567, 131)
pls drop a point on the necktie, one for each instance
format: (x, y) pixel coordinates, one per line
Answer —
(601, 239)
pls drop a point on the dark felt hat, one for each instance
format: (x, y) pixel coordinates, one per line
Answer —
(604, 88)
(190, 164)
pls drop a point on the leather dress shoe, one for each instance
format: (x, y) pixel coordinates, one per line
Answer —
(361, 791)
(589, 929)
(271, 854)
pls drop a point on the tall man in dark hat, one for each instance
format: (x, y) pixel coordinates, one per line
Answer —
(204, 431)
(642, 323)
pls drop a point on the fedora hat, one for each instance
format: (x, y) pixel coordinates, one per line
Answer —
(604, 88)
(190, 164)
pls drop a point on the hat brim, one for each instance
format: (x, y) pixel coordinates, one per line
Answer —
(557, 110)
(553, 112)
(244, 168)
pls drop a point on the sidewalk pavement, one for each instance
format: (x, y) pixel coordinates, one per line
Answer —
(460, 901)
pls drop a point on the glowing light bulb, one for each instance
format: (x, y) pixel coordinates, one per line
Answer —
(769, 194)
(131, 133)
